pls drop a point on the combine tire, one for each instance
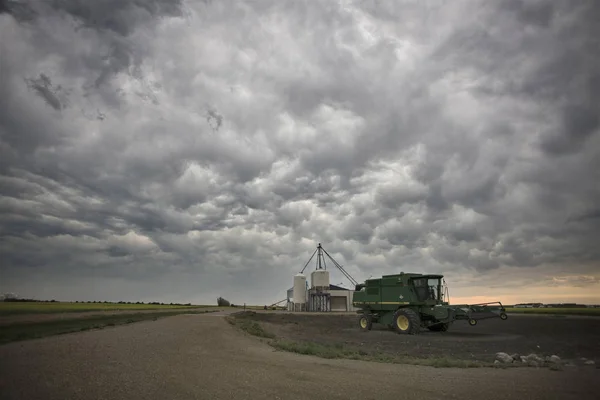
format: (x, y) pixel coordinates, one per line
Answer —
(365, 322)
(406, 321)
(439, 327)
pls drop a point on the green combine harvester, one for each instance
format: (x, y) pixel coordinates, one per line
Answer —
(407, 302)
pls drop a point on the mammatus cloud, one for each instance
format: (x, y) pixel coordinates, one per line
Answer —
(185, 150)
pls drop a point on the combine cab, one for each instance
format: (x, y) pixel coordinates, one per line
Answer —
(407, 302)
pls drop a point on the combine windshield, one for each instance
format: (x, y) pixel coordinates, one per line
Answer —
(427, 288)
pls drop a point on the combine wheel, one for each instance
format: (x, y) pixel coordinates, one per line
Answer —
(503, 316)
(365, 322)
(472, 322)
(406, 321)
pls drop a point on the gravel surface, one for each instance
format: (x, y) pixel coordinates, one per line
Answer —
(203, 357)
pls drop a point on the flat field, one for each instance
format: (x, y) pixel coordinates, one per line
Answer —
(58, 317)
(556, 311)
(16, 328)
(20, 308)
(574, 339)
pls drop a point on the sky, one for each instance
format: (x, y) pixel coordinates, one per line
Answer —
(178, 151)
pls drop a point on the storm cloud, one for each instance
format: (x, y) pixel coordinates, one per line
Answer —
(182, 150)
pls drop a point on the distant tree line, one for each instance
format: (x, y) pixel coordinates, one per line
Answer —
(221, 302)
(137, 302)
(14, 298)
(557, 305)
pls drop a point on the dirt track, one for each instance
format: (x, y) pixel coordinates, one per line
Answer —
(202, 357)
(569, 338)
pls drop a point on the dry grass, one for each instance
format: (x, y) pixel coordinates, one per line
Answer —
(20, 308)
(340, 351)
(343, 352)
(19, 331)
(251, 327)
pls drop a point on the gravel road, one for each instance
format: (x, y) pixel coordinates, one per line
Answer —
(203, 357)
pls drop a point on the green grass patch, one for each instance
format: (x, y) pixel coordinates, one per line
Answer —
(16, 308)
(27, 331)
(339, 351)
(251, 327)
(556, 311)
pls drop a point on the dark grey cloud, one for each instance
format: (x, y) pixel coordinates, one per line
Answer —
(186, 150)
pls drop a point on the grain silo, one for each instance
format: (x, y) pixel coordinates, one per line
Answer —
(299, 293)
(319, 279)
(322, 296)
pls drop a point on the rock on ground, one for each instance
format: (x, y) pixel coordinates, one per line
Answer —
(504, 358)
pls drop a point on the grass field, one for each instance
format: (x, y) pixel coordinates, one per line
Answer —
(462, 346)
(339, 350)
(556, 311)
(18, 308)
(17, 332)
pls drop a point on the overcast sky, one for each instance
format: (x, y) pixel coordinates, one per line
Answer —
(180, 151)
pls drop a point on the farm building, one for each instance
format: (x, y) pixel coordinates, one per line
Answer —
(340, 299)
(321, 296)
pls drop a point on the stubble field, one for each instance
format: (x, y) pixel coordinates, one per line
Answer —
(575, 339)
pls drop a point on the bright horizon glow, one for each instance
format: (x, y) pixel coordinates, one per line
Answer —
(510, 300)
